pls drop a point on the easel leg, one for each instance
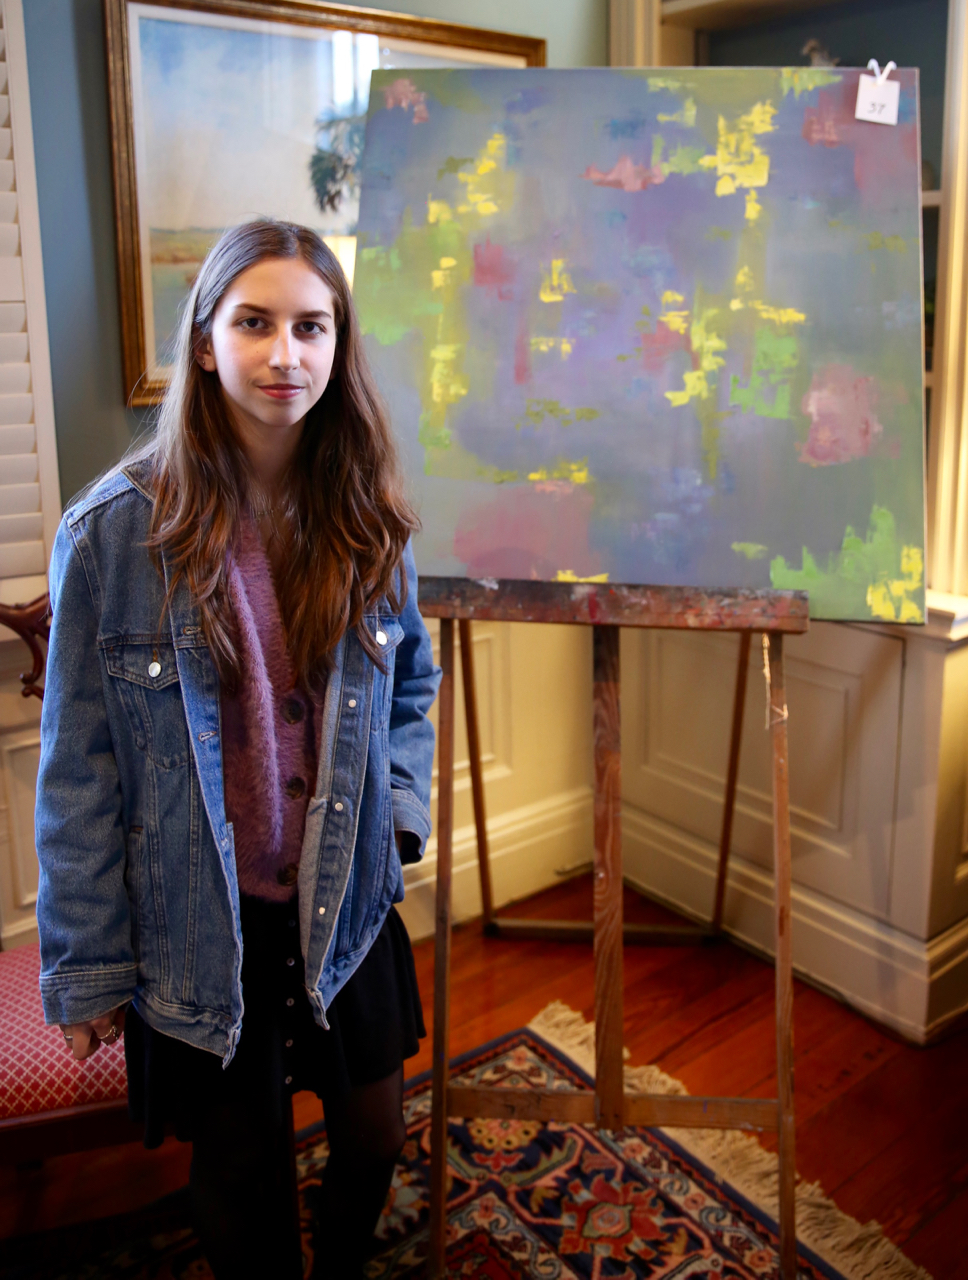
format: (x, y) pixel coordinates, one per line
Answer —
(445, 828)
(477, 773)
(784, 960)
(609, 1087)
(732, 773)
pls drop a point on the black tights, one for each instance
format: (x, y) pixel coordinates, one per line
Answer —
(244, 1197)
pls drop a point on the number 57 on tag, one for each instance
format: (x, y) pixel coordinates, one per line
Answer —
(877, 99)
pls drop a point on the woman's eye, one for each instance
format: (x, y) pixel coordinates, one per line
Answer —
(311, 328)
(251, 322)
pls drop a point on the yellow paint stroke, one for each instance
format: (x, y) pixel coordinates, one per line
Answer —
(490, 186)
(556, 283)
(677, 321)
(890, 600)
(567, 575)
(686, 116)
(441, 277)
(439, 211)
(706, 344)
(751, 550)
(446, 384)
(744, 280)
(779, 315)
(739, 160)
(564, 345)
(894, 244)
(753, 207)
(797, 80)
(573, 472)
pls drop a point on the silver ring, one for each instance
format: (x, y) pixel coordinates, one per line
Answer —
(113, 1035)
(69, 1039)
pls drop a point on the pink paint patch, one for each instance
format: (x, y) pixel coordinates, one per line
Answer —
(820, 127)
(840, 407)
(404, 93)
(658, 346)
(528, 533)
(522, 357)
(626, 175)
(493, 270)
(883, 156)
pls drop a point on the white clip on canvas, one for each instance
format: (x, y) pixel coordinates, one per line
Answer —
(878, 97)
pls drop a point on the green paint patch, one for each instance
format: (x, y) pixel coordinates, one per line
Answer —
(775, 356)
(453, 164)
(719, 233)
(797, 80)
(535, 412)
(893, 244)
(658, 83)
(685, 160)
(876, 576)
(749, 550)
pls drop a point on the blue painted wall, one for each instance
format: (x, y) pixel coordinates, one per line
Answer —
(68, 98)
(576, 30)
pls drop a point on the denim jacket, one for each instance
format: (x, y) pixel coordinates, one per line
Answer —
(138, 897)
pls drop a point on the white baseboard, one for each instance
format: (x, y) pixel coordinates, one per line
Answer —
(18, 934)
(914, 986)
(528, 847)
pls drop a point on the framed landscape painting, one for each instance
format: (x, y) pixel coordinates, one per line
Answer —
(224, 110)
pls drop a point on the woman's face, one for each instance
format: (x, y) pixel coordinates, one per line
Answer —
(272, 345)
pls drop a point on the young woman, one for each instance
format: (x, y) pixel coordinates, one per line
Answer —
(236, 759)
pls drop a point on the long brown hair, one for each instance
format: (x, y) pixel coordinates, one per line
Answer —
(346, 521)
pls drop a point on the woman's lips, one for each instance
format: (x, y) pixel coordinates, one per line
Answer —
(281, 391)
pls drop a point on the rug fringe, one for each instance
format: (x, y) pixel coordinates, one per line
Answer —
(858, 1251)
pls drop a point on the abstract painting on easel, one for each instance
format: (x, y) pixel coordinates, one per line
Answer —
(653, 327)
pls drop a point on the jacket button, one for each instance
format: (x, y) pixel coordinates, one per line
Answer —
(288, 875)
(338, 806)
(291, 961)
(381, 637)
(295, 788)
(292, 710)
(154, 670)
(352, 702)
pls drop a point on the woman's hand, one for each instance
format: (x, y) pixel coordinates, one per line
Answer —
(85, 1038)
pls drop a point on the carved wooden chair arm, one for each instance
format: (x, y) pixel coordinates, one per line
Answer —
(32, 623)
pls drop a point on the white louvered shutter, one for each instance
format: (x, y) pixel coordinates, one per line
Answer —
(29, 489)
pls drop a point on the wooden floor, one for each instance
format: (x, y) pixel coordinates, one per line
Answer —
(882, 1125)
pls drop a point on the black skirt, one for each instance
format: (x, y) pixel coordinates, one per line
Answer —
(375, 1023)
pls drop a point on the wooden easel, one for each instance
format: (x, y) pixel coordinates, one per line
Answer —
(607, 609)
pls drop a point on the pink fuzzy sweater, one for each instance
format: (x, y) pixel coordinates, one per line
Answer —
(268, 736)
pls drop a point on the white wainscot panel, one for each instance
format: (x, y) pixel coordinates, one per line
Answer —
(844, 690)
(19, 758)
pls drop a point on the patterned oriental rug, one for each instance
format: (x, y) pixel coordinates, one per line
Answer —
(556, 1201)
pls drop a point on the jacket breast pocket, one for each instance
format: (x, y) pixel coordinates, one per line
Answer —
(146, 680)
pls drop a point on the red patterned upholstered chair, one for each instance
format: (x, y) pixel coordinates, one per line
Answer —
(49, 1104)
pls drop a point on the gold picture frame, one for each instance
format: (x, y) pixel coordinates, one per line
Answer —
(178, 151)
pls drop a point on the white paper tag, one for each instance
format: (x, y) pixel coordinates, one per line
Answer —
(877, 99)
